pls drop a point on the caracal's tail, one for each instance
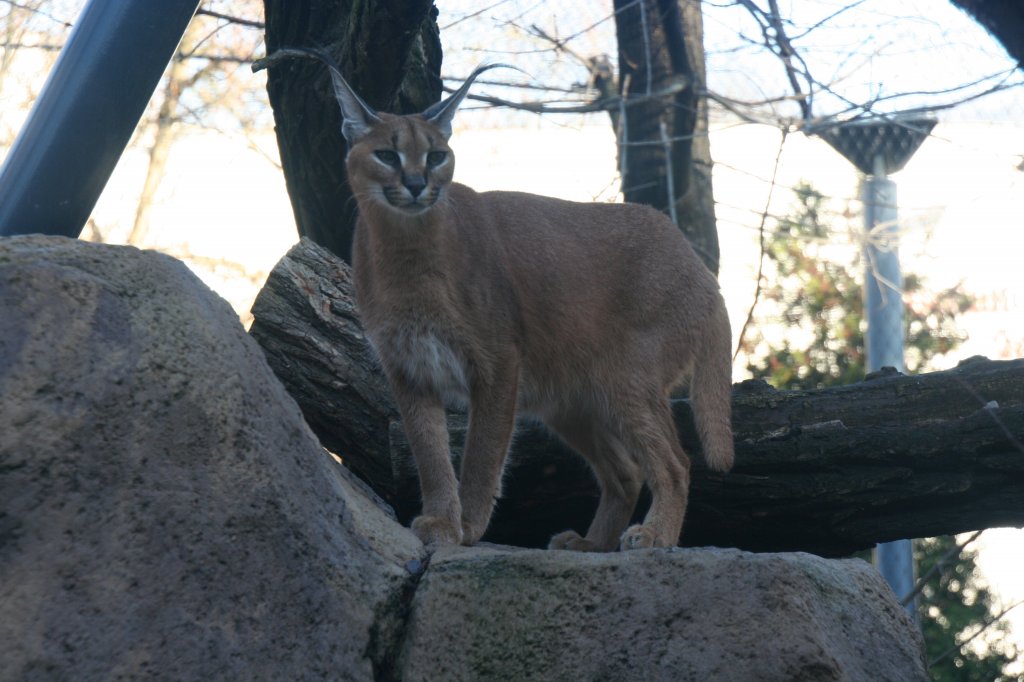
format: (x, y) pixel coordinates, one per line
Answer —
(711, 393)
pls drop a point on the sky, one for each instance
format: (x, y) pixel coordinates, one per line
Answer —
(857, 51)
(915, 53)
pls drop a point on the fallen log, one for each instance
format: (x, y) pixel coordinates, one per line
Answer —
(828, 471)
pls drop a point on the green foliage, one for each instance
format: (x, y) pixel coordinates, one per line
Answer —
(816, 294)
(954, 605)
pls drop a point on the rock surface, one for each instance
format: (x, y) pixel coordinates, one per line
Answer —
(166, 513)
(680, 614)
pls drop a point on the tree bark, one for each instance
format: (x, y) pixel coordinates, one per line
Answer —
(305, 320)
(696, 210)
(827, 471)
(1004, 19)
(390, 53)
(664, 153)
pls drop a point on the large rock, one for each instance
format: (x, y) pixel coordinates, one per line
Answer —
(680, 614)
(166, 513)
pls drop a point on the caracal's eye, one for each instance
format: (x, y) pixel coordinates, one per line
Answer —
(435, 159)
(389, 157)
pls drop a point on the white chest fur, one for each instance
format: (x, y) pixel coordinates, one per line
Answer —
(426, 361)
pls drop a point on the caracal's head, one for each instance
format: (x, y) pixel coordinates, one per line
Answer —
(402, 163)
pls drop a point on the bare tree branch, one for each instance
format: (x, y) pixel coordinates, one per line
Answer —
(788, 54)
(760, 261)
(34, 9)
(45, 47)
(821, 22)
(251, 23)
(938, 566)
(605, 104)
(984, 627)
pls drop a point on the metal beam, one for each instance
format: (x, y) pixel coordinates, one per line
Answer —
(86, 113)
(883, 309)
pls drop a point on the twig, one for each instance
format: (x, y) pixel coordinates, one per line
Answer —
(938, 566)
(220, 58)
(473, 14)
(760, 260)
(818, 24)
(45, 47)
(991, 409)
(36, 10)
(621, 132)
(557, 44)
(985, 626)
(212, 263)
(787, 53)
(773, 32)
(604, 104)
(251, 23)
(669, 179)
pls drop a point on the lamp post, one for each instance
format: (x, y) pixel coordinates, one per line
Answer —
(878, 147)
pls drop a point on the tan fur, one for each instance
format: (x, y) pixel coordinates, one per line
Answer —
(583, 315)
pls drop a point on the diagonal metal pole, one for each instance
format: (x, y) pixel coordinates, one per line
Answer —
(86, 113)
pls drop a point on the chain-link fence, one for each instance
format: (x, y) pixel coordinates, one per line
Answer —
(807, 116)
(780, 83)
(877, 146)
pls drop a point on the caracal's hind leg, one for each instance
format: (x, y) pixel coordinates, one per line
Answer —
(617, 474)
(651, 434)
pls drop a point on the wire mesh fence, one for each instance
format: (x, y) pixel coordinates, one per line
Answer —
(877, 146)
(781, 79)
(776, 82)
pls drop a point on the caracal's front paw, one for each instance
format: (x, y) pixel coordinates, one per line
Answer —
(571, 540)
(472, 532)
(436, 530)
(639, 537)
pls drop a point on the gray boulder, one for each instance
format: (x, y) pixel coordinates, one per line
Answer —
(165, 513)
(680, 614)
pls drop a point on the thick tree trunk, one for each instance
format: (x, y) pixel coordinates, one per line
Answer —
(391, 55)
(305, 319)
(696, 209)
(664, 154)
(827, 471)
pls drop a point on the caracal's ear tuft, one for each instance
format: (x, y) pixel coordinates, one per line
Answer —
(441, 114)
(358, 116)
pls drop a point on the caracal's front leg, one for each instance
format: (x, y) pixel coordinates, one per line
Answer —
(426, 427)
(492, 414)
